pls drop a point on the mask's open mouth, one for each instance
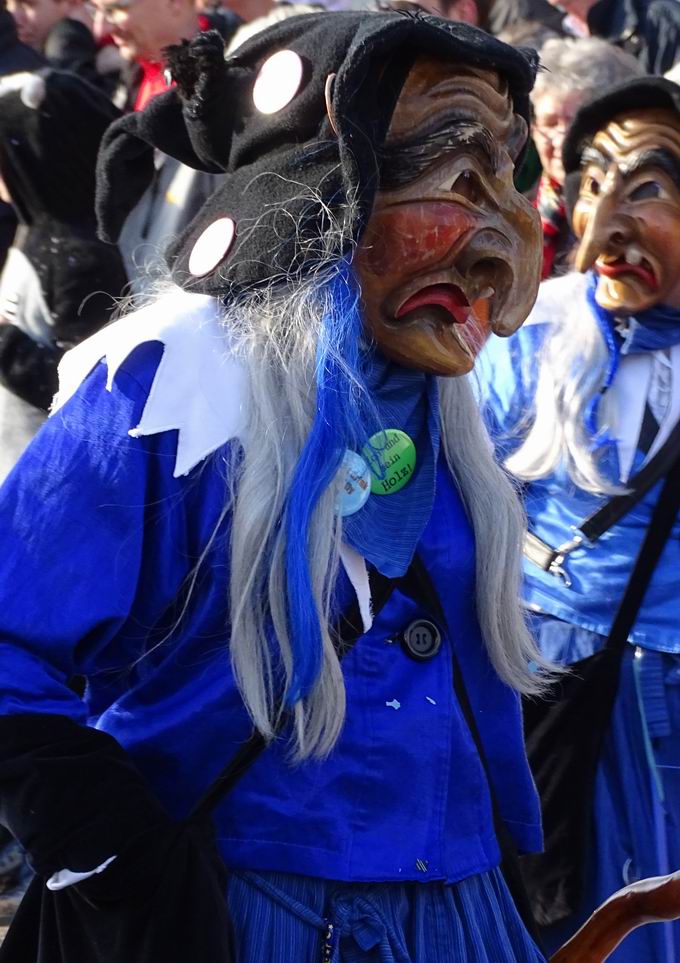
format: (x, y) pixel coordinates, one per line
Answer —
(616, 267)
(440, 303)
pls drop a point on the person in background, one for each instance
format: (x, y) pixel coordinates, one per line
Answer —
(257, 15)
(580, 400)
(59, 283)
(647, 29)
(35, 18)
(464, 11)
(213, 15)
(61, 30)
(507, 15)
(528, 33)
(574, 70)
(141, 29)
(15, 56)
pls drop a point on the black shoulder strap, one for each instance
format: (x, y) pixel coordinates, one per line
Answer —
(552, 559)
(615, 508)
(350, 629)
(658, 533)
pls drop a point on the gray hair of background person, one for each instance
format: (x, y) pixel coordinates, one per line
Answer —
(581, 64)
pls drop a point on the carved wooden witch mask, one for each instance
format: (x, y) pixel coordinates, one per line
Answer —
(451, 249)
(627, 215)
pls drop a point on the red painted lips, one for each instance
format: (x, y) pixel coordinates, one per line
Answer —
(446, 296)
(613, 269)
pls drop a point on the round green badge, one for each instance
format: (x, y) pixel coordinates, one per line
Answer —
(391, 456)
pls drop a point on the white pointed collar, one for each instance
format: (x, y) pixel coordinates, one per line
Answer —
(198, 389)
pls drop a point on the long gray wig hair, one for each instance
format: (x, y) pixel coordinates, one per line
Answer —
(572, 367)
(276, 332)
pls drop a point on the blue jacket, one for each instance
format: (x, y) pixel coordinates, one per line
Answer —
(508, 375)
(98, 540)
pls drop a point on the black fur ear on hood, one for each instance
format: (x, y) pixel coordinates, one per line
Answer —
(125, 166)
(198, 68)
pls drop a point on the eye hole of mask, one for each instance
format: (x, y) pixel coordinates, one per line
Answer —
(468, 185)
(591, 186)
(646, 191)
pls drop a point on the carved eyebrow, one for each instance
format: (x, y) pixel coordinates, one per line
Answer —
(659, 157)
(593, 155)
(405, 161)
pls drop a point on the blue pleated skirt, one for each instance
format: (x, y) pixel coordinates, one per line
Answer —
(281, 918)
(636, 815)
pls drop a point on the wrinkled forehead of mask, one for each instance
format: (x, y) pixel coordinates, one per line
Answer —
(443, 109)
(297, 119)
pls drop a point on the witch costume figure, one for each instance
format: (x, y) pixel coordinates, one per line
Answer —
(585, 404)
(264, 513)
(60, 283)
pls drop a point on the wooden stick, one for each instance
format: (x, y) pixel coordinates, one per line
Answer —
(654, 900)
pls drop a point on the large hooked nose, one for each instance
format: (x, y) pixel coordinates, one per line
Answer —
(608, 229)
(504, 255)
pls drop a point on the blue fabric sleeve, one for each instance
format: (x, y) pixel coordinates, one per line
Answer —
(74, 515)
(507, 371)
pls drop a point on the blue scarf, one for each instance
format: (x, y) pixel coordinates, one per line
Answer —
(387, 529)
(651, 330)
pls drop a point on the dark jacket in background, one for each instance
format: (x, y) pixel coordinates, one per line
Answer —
(66, 286)
(14, 57)
(647, 29)
(70, 45)
(507, 13)
(59, 283)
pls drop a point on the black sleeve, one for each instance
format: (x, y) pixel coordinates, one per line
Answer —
(84, 286)
(70, 794)
(8, 227)
(28, 369)
(71, 46)
(80, 287)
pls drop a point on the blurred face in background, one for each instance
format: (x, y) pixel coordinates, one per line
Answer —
(576, 8)
(554, 112)
(465, 11)
(142, 28)
(35, 18)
